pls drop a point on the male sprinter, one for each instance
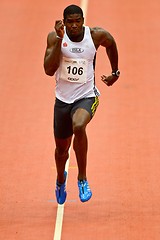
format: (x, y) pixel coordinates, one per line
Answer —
(70, 55)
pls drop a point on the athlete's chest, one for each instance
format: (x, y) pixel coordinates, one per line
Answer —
(83, 49)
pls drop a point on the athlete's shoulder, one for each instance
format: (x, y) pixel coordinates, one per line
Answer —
(51, 37)
(101, 36)
(98, 31)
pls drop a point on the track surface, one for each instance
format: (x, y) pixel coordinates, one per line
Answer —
(124, 145)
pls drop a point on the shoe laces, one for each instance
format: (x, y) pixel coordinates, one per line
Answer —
(84, 185)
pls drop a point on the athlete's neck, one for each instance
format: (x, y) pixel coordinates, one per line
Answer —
(77, 38)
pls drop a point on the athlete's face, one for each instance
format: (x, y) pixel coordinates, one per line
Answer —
(74, 25)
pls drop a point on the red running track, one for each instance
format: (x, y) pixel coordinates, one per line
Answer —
(123, 159)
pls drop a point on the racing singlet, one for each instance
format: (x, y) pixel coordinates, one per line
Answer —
(75, 78)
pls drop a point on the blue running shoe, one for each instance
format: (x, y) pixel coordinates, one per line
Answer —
(84, 190)
(60, 191)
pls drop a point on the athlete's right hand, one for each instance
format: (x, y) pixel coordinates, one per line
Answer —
(59, 27)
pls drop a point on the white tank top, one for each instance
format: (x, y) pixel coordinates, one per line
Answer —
(75, 78)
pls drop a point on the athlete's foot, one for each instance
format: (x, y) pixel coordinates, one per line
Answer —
(60, 191)
(84, 190)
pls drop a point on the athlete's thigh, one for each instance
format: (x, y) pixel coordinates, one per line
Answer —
(81, 117)
(62, 120)
(84, 110)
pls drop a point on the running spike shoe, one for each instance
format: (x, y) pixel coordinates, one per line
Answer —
(84, 190)
(60, 191)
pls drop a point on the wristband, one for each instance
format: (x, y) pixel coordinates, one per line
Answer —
(59, 37)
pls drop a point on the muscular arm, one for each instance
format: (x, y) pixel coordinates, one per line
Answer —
(103, 38)
(53, 50)
(52, 54)
(111, 49)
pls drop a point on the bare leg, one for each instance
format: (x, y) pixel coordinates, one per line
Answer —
(61, 156)
(80, 144)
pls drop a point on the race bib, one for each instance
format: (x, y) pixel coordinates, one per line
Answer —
(74, 70)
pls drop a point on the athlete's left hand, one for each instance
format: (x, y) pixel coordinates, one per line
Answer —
(109, 80)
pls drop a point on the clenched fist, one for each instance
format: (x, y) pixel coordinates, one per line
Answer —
(59, 27)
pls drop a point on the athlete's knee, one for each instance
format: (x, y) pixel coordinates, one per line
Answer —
(79, 128)
(61, 152)
(62, 147)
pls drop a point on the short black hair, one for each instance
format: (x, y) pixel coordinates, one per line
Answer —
(72, 9)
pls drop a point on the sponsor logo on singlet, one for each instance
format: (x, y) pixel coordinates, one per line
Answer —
(76, 50)
(64, 44)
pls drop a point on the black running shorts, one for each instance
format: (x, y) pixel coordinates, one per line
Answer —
(63, 113)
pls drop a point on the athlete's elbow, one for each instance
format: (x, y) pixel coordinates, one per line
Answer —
(49, 71)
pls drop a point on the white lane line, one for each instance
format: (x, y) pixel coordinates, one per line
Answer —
(84, 6)
(60, 208)
(60, 213)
